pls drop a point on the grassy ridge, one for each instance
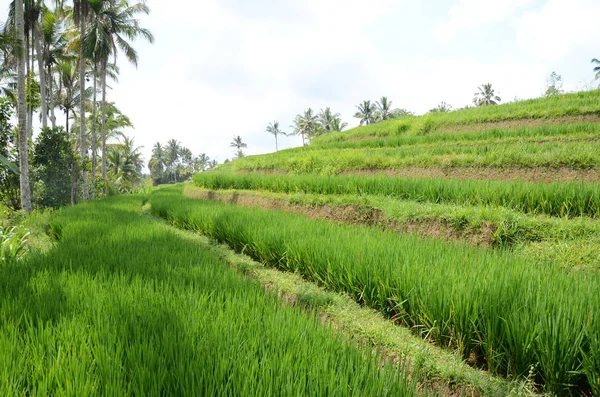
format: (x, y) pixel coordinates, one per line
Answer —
(556, 199)
(491, 305)
(580, 103)
(574, 146)
(572, 155)
(544, 133)
(125, 306)
(568, 242)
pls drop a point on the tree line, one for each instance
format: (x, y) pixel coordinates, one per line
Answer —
(61, 56)
(172, 163)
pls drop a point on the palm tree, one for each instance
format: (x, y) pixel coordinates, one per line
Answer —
(384, 108)
(305, 125)
(113, 25)
(327, 119)
(21, 108)
(53, 49)
(273, 128)
(81, 12)
(237, 143)
(366, 113)
(338, 125)
(443, 107)
(239, 154)
(172, 152)
(486, 96)
(597, 68)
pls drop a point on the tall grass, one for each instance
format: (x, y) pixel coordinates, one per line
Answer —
(511, 315)
(124, 306)
(556, 199)
(554, 154)
(581, 103)
(544, 133)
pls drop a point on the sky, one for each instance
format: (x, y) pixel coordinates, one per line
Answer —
(220, 68)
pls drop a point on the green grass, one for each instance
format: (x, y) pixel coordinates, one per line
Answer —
(569, 199)
(581, 103)
(568, 242)
(544, 133)
(574, 146)
(511, 314)
(441, 370)
(123, 305)
(572, 155)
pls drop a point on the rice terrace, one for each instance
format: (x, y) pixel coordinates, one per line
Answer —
(160, 238)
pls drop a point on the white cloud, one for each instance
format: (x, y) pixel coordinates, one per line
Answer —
(560, 27)
(468, 15)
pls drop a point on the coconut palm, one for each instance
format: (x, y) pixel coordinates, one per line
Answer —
(21, 108)
(596, 68)
(366, 113)
(486, 96)
(338, 125)
(237, 143)
(273, 128)
(384, 108)
(306, 125)
(53, 49)
(172, 154)
(81, 14)
(326, 120)
(112, 27)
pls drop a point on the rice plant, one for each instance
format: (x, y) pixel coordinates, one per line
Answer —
(124, 305)
(492, 305)
(568, 199)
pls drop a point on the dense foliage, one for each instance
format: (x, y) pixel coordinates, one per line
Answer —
(52, 162)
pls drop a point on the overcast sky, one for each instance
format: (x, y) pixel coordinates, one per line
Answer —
(225, 67)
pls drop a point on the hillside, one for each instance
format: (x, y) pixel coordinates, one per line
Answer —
(455, 224)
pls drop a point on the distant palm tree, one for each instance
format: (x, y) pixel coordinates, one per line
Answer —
(486, 96)
(597, 68)
(338, 125)
(237, 143)
(305, 125)
(326, 120)
(273, 128)
(239, 154)
(443, 107)
(366, 113)
(172, 151)
(384, 108)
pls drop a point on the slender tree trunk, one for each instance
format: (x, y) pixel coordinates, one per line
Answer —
(42, 73)
(51, 96)
(276, 148)
(22, 109)
(94, 137)
(83, 142)
(29, 127)
(104, 125)
(74, 178)
(67, 114)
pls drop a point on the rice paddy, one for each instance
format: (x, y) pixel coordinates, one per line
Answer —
(123, 305)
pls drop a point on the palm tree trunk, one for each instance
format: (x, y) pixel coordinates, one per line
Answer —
(276, 148)
(104, 125)
(42, 72)
(22, 109)
(51, 97)
(74, 185)
(67, 115)
(29, 127)
(83, 143)
(94, 138)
